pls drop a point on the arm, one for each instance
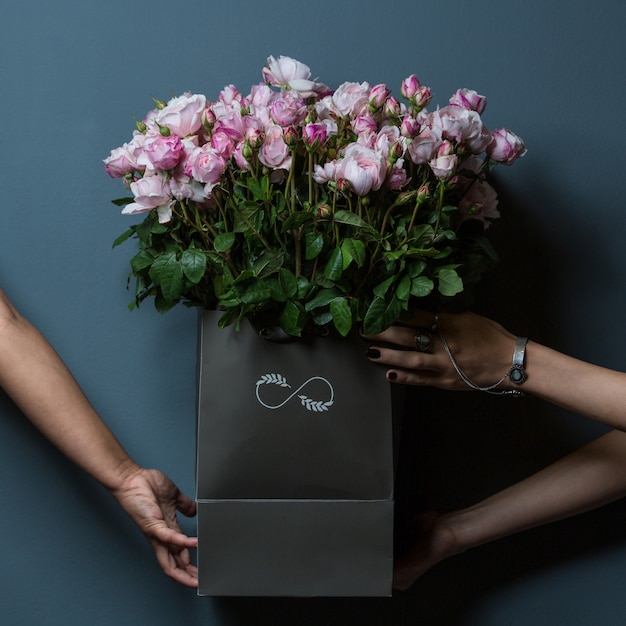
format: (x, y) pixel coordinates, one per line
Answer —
(588, 478)
(484, 351)
(37, 380)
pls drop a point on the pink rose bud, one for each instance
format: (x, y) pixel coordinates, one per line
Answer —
(409, 87)
(506, 147)
(423, 193)
(290, 136)
(395, 151)
(392, 107)
(314, 134)
(378, 96)
(323, 211)
(410, 127)
(208, 118)
(445, 149)
(422, 97)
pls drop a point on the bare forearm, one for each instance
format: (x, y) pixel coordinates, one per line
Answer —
(595, 392)
(588, 478)
(38, 381)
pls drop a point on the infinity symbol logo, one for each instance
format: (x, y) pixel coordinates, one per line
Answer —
(307, 403)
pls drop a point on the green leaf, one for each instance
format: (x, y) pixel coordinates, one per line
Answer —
(352, 219)
(314, 244)
(353, 250)
(381, 314)
(416, 268)
(194, 262)
(304, 287)
(122, 201)
(295, 220)
(450, 282)
(334, 267)
(277, 293)
(258, 188)
(292, 319)
(167, 273)
(141, 261)
(268, 263)
(224, 242)
(322, 298)
(158, 229)
(342, 315)
(123, 237)
(422, 234)
(288, 282)
(381, 289)
(421, 286)
(254, 292)
(403, 288)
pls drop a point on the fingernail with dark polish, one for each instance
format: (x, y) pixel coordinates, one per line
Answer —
(372, 353)
(392, 376)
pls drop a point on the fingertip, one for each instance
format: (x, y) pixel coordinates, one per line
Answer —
(373, 353)
(392, 376)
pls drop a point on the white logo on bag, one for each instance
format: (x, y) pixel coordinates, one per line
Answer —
(307, 403)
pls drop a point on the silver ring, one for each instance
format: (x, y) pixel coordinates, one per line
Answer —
(423, 340)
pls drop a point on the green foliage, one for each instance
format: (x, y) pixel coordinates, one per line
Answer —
(267, 250)
(252, 259)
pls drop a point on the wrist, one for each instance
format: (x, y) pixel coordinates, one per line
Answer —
(124, 471)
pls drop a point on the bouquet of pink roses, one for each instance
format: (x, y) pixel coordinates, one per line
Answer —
(311, 207)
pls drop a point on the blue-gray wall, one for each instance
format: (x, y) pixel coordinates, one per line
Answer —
(73, 73)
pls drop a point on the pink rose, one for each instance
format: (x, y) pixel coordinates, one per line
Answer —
(365, 169)
(261, 96)
(444, 166)
(506, 147)
(223, 144)
(423, 147)
(469, 99)
(388, 137)
(286, 72)
(184, 188)
(325, 173)
(161, 153)
(230, 94)
(253, 131)
(208, 165)
(232, 124)
(350, 98)
(151, 192)
(274, 152)
(289, 109)
(464, 126)
(281, 71)
(397, 177)
(121, 161)
(364, 123)
(183, 115)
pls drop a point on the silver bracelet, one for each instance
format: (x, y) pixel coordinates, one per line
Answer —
(517, 373)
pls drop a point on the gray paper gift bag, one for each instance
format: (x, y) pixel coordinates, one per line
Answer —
(294, 466)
